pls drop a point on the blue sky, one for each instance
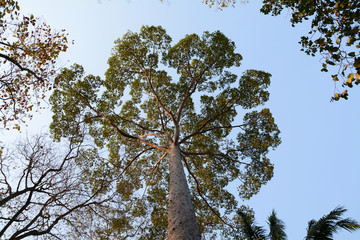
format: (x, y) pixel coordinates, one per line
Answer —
(316, 166)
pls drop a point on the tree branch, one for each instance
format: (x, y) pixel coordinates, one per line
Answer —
(13, 61)
(112, 124)
(198, 131)
(202, 196)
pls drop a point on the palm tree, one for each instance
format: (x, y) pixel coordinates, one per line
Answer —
(277, 227)
(249, 229)
(323, 229)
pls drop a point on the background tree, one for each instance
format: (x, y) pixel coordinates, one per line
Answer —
(150, 124)
(276, 227)
(28, 50)
(334, 34)
(42, 193)
(329, 224)
(323, 229)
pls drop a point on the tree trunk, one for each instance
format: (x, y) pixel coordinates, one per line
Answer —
(181, 219)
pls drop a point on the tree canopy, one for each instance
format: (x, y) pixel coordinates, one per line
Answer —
(157, 97)
(28, 50)
(334, 35)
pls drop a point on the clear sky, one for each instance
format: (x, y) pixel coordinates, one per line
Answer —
(316, 166)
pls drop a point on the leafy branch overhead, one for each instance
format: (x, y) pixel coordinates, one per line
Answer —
(334, 34)
(28, 50)
(142, 116)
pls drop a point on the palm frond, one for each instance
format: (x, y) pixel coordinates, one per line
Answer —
(277, 227)
(329, 224)
(250, 230)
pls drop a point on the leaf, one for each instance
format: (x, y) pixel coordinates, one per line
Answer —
(357, 62)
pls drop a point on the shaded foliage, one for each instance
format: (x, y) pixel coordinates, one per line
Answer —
(329, 224)
(323, 229)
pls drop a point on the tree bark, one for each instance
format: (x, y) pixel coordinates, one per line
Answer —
(181, 219)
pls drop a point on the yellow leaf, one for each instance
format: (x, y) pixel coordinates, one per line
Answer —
(350, 78)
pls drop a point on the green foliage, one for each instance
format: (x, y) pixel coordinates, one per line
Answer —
(139, 111)
(249, 229)
(323, 229)
(277, 227)
(329, 224)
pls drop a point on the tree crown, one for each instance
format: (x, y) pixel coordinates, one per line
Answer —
(139, 111)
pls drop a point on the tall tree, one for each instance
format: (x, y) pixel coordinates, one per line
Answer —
(334, 34)
(42, 190)
(151, 125)
(28, 50)
(323, 229)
